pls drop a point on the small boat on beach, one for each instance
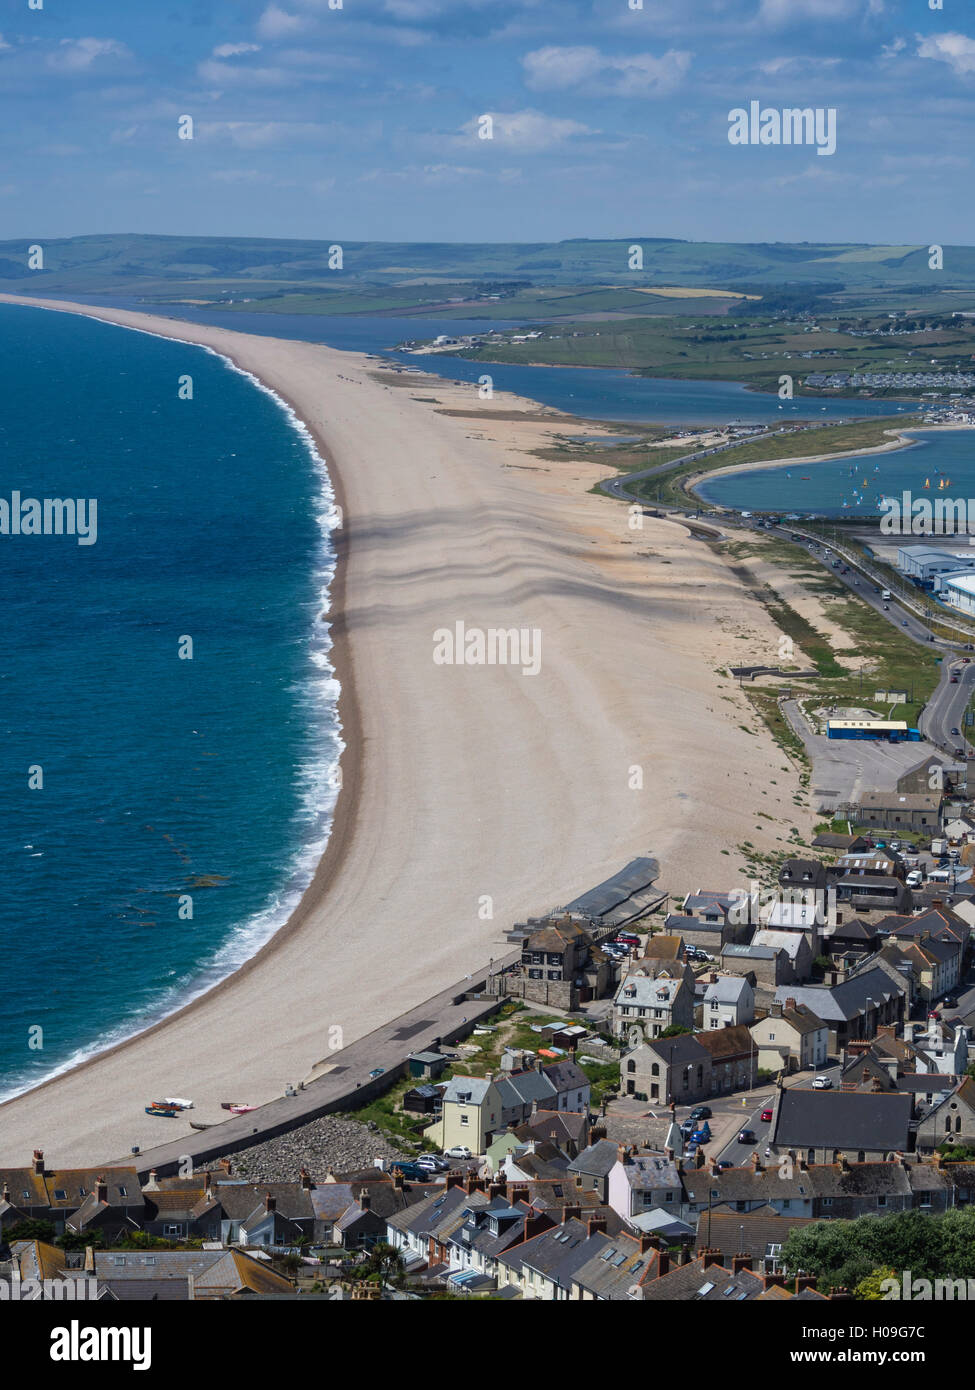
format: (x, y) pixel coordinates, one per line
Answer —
(162, 1112)
(236, 1107)
(198, 1124)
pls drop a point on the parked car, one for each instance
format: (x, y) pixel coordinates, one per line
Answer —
(766, 1114)
(822, 1083)
(458, 1151)
(433, 1162)
(724, 1163)
(746, 1136)
(415, 1172)
(701, 1112)
(628, 939)
(702, 1136)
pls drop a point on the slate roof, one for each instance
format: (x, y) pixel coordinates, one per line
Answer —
(746, 1232)
(614, 1269)
(466, 1090)
(597, 1160)
(843, 1002)
(842, 1120)
(726, 989)
(566, 1075)
(692, 1282)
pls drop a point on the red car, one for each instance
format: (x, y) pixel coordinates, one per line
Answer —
(767, 1114)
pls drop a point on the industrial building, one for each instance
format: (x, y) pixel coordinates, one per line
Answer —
(893, 730)
(958, 590)
(923, 563)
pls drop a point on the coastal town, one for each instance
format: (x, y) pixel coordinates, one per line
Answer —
(660, 1100)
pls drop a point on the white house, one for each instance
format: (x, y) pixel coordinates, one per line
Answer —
(729, 1000)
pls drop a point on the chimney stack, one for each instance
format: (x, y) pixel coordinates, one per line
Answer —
(270, 1203)
(38, 1164)
(365, 1201)
(790, 1003)
(596, 1223)
(226, 1165)
(306, 1181)
(710, 1257)
(571, 1213)
(663, 1264)
(740, 1262)
(399, 1182)
(101, 1190)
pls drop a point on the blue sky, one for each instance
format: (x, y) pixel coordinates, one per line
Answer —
(360, 122)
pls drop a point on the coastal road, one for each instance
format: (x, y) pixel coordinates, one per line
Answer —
(946, 708)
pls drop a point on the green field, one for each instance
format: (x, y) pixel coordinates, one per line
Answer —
(144, 263)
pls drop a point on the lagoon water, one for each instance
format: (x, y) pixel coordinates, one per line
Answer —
(594, 393)
(845, 487)
(163, 779)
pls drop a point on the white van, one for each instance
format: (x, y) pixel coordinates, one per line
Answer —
(915, 878)
(885, 594)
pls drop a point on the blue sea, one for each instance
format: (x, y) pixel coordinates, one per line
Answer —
(168, 784)
(854, 486)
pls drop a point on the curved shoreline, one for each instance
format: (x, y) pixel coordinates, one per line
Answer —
(901, 444)
(349, 724)
(458, 783)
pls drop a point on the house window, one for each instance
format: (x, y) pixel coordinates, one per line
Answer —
(122, 1192)
(654, 1071)
(465, 1119)
(59, 1194)
(881, 1201)
(827, 1201)
(631, 1066)
(771, 1037)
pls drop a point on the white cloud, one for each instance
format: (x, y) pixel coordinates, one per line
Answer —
(780, 12)
(957, 50)
(234, 50)
(275, 23)
(891, 50)
(3, 43)
(526, 130)
(775, 67)
(636, 74)
(78, 55)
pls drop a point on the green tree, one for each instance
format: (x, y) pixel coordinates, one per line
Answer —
(870, 1289)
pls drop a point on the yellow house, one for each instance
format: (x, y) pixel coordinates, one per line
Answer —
(471, 1114)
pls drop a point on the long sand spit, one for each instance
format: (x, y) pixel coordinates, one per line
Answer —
(472, 795)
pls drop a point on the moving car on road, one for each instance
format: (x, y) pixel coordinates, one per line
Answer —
(746, 1136)
(766, 1114)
